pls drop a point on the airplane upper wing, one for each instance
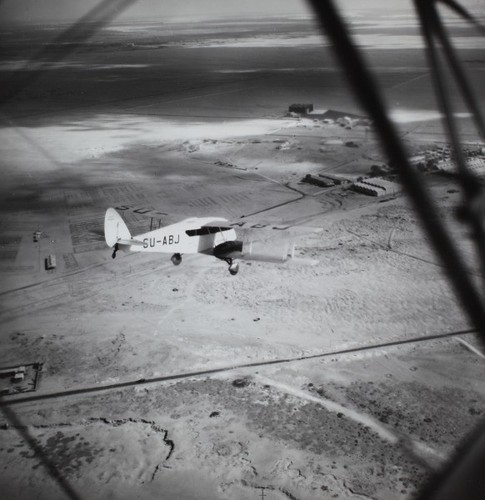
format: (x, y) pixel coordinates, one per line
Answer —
(242, 223)
(254, 222)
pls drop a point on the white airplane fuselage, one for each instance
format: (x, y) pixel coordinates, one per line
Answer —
(185, 237)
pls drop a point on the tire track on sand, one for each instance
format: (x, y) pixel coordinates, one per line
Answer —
(421, 452)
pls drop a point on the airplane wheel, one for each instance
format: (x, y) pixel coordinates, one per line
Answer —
(176, 259)
(233, 269)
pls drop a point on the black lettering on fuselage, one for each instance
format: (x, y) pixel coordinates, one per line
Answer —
(167, 240)
(171, 239)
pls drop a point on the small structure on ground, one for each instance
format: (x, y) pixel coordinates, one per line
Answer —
(302, 109)
(50, 262)
(336, 179)
(17, 379)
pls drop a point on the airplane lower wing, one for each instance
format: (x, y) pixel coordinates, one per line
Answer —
(267, 252)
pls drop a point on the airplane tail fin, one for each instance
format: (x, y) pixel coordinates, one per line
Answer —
(115, 228)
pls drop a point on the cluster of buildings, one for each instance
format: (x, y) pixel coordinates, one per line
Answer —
(475, 164)
(443, 160)
(438, 159)
(329, 116)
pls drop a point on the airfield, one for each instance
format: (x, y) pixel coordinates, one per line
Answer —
(319, 377)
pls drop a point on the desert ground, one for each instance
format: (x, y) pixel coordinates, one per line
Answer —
(320, 377)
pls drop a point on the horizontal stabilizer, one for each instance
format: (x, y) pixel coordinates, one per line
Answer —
(136, 243)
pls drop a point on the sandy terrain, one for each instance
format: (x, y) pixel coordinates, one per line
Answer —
(186, 382)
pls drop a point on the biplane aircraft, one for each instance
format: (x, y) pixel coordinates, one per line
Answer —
(205, 235)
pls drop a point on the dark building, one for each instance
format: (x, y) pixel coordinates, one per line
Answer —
(301, 108)
(310, 179)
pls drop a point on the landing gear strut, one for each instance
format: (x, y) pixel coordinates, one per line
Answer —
(233, 266)
(115, 249)
(226, 251)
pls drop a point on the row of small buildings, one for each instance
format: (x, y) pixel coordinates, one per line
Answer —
(377, 186)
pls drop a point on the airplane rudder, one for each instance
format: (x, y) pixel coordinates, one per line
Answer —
(115, 228)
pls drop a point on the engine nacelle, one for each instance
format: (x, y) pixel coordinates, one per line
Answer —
(176, 259)
(228, 250)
